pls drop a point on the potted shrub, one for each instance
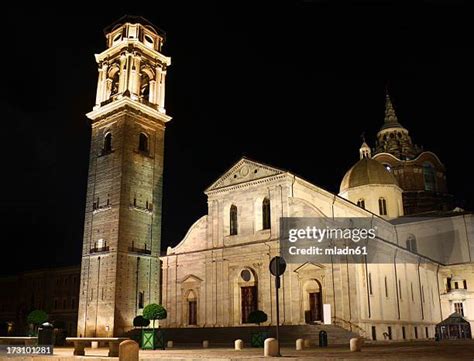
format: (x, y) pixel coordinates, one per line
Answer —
(151, 339)
(258, 338)
(139, 322)
(36, 318)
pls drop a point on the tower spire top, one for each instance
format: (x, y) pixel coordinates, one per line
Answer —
(391, 119)
(393, 137)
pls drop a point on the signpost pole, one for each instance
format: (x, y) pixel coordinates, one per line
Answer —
(277, 268)
(277, 286)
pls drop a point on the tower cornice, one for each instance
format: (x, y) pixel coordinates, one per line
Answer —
(130, 45)
(124, 103)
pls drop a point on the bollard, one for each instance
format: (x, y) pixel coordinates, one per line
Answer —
(306, 343)
(299, 344)
(169, 344)
(94, 344)
(205, 344)
(239, 344)
(128, 351)
(356, 344)
(270, 347)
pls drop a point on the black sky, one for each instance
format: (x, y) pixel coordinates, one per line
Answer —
(291, 85)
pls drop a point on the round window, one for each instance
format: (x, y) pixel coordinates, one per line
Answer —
(149, 39)
(246, 275)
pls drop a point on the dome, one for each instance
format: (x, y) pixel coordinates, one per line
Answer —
(367, 171)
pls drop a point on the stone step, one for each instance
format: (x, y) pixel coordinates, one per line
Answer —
(227, 335)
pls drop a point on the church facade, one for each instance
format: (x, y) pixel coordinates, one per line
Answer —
(219, 273)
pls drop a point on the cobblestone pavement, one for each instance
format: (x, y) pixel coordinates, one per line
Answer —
(419, 351)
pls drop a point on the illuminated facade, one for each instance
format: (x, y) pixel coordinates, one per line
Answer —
(218, 274)
(120, 269)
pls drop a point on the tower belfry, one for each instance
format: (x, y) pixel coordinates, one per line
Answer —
(120, 269)
(132, 68)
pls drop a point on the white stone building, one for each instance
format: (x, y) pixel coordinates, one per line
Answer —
(219, 272)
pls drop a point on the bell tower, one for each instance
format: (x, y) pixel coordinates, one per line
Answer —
(120, 268)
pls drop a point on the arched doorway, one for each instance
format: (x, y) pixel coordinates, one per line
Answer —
(248, 294)
(313, 301)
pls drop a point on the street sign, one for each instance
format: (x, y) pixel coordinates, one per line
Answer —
(277, 266)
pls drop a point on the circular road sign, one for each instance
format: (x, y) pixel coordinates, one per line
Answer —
(277, 266)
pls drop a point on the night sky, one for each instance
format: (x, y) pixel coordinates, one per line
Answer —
(292, 86)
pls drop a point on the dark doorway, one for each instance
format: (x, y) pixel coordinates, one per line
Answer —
(192, 312)
(249, 302)
(315, 306)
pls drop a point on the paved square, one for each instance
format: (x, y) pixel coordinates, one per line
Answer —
(408, 351)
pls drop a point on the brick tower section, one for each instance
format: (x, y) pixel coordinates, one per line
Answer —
(120, 270)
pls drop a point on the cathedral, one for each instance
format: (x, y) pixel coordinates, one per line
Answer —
(219, 273)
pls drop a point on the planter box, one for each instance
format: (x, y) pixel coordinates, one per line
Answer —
(152, 339)
(257, 339)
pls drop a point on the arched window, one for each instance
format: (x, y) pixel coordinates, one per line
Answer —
(107, 143)
(113, 78)
(233, 220)
(361, 203)
(429, 176)
(192, 308)
(145, 86)
(266, 219)
(382, 207)
(411, 243)
(143, 143)
(115, 84)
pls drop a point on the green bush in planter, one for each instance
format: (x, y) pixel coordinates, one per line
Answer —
(37, 318)
(258, 317)
(141, 322)
(150, 338)
(154, 312)
(258, 338)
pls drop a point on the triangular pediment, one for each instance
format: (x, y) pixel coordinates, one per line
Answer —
(245, 170)
(191, 279)
(309, 267)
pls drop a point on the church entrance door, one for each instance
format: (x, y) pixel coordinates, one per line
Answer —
(315, 306)
(249, 302)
